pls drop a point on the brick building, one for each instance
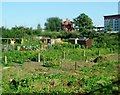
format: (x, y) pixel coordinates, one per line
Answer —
(67, 25)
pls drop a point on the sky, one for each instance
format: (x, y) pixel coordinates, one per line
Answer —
(29, 14)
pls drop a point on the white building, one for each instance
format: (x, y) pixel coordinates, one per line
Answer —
(112, 23)
(98, 28)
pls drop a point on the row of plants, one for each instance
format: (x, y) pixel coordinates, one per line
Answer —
(76, 54)
(88, 80)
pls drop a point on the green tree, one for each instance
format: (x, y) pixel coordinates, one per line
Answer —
(109, 26)
(38, 30)
(83, 23)
(53, 24)
(19, 31)
(39, 27)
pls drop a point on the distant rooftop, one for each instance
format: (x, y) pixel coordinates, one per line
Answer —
(112, 16)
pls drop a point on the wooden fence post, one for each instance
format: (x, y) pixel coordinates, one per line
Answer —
(43, 60)
(5, 59)
(83, 53)
(38, 57)
(75, 65)
(86, 59)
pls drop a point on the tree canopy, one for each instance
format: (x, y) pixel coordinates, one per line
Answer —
(53, 24)
(83, 23)
(39, 27)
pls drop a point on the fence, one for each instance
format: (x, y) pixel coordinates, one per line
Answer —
(72, 56)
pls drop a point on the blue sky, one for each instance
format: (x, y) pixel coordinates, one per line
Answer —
(30, 14)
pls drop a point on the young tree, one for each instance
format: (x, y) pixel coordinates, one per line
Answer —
(53, 24)
(83, 23)
(39, 27)
(109, 26)
(38, 30)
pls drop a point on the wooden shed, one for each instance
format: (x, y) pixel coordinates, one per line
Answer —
(12, 41)
(85, 41)
(57, 40)
(73, 40)
(45, 40)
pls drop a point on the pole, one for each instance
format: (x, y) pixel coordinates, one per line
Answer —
(43, 60)
(83, 53)
(5, 59)
(38, 57)
(75, 65)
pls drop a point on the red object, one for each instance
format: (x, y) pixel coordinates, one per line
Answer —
(86, 42)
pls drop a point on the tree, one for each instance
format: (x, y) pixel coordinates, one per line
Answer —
(83, 23)
(39, 27)
(53, 24)
(19, 31)
(38, 30)
(109, 26)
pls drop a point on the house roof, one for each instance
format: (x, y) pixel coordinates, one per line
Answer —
(112, 16)
(80, 38)
(83, 38)
(72, 38)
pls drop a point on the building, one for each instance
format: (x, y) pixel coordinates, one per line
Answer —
(73, 40)
(45, 40)
(119, 7)
(12, 42)
(83, 41)
(112, 23)
(67, 25)
(49, 41)
(98, 28)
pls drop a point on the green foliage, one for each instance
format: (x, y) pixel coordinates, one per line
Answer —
(50, 64)
(94, 80)
(110, 26)
(53, 24)
(103, 40)
(83, 23)
(18, 56)
(39, 27)
(86, 78)
(52, 56)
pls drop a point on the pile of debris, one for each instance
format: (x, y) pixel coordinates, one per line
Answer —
(98, 59)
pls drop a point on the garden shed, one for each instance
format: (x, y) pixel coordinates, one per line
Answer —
(57, 40)
(87, 42)
(83, 41)
(45, 40)
(73, 40)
